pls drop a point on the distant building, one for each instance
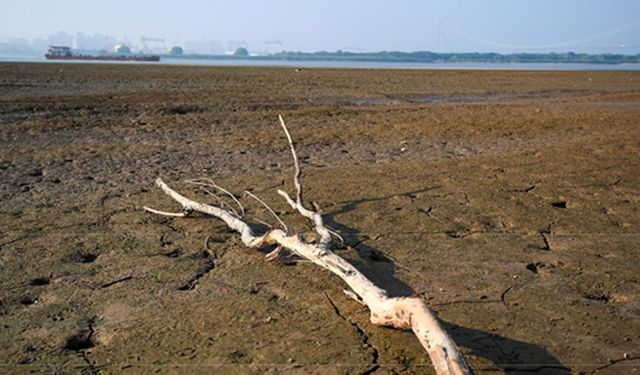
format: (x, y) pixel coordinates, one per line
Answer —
(205, 48)
(122, 49)
(16, 47)
(39, 45)
(273, 46)
(94, 42)
(60, 38)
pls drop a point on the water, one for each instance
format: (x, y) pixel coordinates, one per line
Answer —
(343, 64)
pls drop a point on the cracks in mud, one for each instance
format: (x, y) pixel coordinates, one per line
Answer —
(524, 190)
(92, 367)
(503, 297)
(466, 301)
(483, 299)
(536, 368)
(192, 283)
(82, 341)
(114, 282)
(375, 354)
(597, 296)
(616, 361)
(212, 260)
(35, 232)
(544, 234)
(104, 219)
(547, 245)
(109, 196)
(456, 234)
(164, 242)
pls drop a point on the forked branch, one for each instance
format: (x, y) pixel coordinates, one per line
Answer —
(325, 234)
(399, 312)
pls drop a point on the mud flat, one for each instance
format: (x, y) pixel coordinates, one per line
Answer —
(508, 200)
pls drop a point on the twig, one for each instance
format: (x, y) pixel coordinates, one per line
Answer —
(325, 234)
(274, 254)
(296, 163)
(284, 226)
(263, 222)
(336, 235)
(209, 182)
(220, 201)
(164, 213)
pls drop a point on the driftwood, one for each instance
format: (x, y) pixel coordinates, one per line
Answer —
(399, 312)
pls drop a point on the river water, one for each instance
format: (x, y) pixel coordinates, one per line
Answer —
(343, 64)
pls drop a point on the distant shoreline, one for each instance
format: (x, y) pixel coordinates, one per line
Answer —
(429, 57)
(418, 57)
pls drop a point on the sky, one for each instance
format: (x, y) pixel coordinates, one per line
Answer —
(309, 25)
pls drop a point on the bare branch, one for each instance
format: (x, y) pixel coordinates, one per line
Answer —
(296, 163)
(325, 234)
(336, 235)
(399, 312)
(246, 233)
(284, 226)
(274, 254)
(221, 202)
(209, 182)
(263, 222)
(164, 213)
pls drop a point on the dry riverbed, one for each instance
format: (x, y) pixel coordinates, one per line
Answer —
(508, 200)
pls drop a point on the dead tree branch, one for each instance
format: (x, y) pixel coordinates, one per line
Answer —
(398, 312)
(325, 234)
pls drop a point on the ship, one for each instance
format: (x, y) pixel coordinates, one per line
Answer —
(65, 53)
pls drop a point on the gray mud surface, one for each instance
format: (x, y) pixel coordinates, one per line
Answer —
(508, 200)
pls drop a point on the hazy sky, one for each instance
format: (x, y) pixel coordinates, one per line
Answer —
(406, 25)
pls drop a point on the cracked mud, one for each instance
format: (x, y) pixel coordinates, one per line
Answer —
(509, 200)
